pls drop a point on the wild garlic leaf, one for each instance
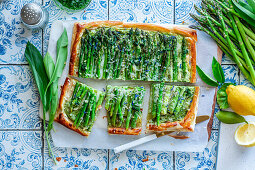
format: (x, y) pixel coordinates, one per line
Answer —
(207, 79)
(35, 61)
(217, 71)
(49, 65)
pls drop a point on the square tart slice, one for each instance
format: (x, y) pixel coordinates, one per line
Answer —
(78, 106)
(172, 108)
(124, 109)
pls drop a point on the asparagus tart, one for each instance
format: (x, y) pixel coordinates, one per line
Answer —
(124, 109)
(133, 51)
(78, 106)
(172, 108)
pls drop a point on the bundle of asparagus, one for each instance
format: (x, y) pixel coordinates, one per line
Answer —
(169, 105)
(134, 54)
(79, 105)
(124, 109)
(231, 29)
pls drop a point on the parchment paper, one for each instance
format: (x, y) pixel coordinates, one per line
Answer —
(100, 139)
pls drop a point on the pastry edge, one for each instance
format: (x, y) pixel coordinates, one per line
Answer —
(187, 124)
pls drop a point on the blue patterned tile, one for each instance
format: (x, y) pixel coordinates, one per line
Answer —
(13, 34)
(75, 158)
(227, 60)
(182, 10)
(244, 81)
(199, 160)
(20, 150)
(160, 11)
(97, 10)
(132, 159)
(231, 73)
(19, 99)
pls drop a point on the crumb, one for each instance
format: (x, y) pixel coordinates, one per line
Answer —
(75, 165)
(65, 160)
(145, 160)
(58, 159)
(104, 117)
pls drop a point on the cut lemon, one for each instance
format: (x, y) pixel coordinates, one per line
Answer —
(245, 134)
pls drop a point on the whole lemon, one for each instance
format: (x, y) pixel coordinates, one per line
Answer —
(241, 99)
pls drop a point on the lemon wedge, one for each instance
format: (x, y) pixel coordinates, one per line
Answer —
(245, 134)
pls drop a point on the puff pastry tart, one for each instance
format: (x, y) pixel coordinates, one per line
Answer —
(78, 106)
(133, 51)
(124, 109)
(172, 108)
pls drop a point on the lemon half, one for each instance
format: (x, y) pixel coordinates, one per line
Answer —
(245, 134)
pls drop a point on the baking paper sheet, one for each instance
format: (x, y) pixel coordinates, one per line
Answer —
(100, 139)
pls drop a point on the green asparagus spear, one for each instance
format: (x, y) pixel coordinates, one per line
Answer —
(184, 64)
(122, 50)
(89, 49)
(120, 108)
(105, 48)
(155, 94)
(156, 59)
(174, 99)
(137, 52)
(188, 99)
(89, 109)
(130, 110)
(118, 96)
(175, 60)
(82, 96)
(77, 97)
(159, 102)
(137, 103)
(130, 70)
(166, 99)
(101, 51)
(82, 112)
(180, 101)
(108, 99)
(116, 66)
(147, 51)
(76, 87)
(81, 56)
(100, 101)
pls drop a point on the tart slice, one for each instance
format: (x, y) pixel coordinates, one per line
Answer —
(78, 106)
(124, 109)
(172, 108)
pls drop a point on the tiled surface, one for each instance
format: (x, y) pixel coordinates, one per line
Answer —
(132, 159)
(97, 10)
(19, 98)
(74, 158)
(199, 160)
(20, 127)
(20, 150)
(182, 10)
(13, 34)
(146, 11)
